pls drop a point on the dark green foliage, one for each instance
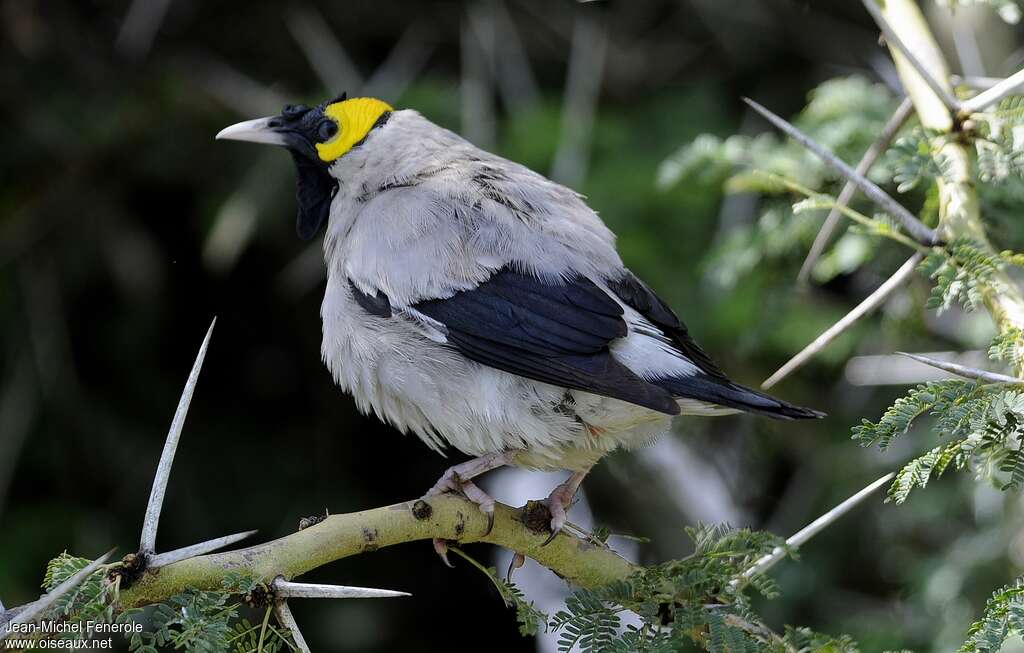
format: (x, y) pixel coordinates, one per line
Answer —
(257, 638)
(194, 621)
(843, 114)
(92, 600)
(698, 600)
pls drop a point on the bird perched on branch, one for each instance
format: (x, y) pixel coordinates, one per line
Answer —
(482, 306)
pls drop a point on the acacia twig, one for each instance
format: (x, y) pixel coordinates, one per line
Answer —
(151, 521)
(917, 229)
(447, 517)
(941, 92)
(870, 303)
(807, 532)
(990, 96)
(828, 227)
(963, 370)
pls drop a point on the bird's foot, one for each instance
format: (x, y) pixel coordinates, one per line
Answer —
(559, 502)
(458, 479)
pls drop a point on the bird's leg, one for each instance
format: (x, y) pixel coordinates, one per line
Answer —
(458, 478)
(560, 499)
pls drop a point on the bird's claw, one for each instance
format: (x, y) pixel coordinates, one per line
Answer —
(518, 560)
(559, 501)
(490, 519)
(441, 548)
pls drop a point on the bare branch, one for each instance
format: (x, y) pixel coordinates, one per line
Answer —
(150, 522)
(287, 619)
(988, 97)
(288, 590)
(869, 304)
(835, 215)
(812, 529)
(952, 104)
(202, 548)
(963, 370)
(917, 229)
(34, 610)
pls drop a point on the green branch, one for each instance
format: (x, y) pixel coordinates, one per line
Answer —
(578, 561)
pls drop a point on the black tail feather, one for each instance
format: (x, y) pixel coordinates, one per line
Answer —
(732, 395)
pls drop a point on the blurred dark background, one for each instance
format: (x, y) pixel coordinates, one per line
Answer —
(124, 229)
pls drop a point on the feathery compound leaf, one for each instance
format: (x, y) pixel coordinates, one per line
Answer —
(91, 600)
(916, 473)
(1008, 347)
(681, 602)
(960, 272)
(897, 420)
(1003, 616)
(912, 159)
(1000, 152)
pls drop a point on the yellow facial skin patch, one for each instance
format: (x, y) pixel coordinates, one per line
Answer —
(355, 119)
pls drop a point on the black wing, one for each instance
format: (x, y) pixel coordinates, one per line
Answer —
(713, 385)
(642, 299)
(555, 333)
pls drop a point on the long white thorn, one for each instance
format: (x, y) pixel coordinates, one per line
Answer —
(975, 83)
(807, 532)
(870, 303)
(147, 543)
(202, 548)
(963, 370)
(891, 37)
(917, 229)
(990, 96)
(835, 215)
(287, 619)
(33, 610)
(284, 589)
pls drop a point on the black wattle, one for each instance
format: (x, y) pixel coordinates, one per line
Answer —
(314, 190)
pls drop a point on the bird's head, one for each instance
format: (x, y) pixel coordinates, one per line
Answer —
(316, 137)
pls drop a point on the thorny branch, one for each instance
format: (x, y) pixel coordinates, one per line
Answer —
(959, 208)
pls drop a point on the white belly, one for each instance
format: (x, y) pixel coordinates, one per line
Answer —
(428, 388)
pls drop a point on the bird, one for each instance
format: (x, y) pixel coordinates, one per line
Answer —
(483, 307)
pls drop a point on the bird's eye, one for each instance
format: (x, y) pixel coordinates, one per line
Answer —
(327, 130)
